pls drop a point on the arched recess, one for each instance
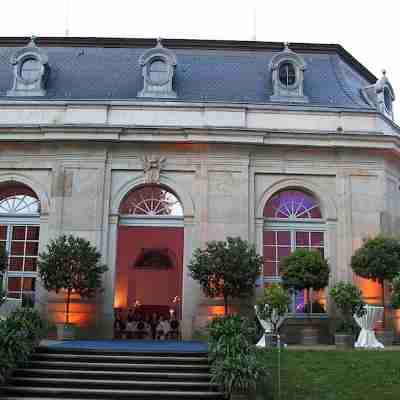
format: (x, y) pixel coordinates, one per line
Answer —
(293, 216)
(151, 224)
(20, 211)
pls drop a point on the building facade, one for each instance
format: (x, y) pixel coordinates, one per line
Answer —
(151, 148)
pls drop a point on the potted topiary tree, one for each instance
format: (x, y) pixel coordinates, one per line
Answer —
(305, 269)
(378, 259)
(273, 306)
(396, 292)
(227, 269)
(71, 264)
(349, 301)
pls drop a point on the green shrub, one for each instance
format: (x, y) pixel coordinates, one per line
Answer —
(19, 334)
(349, 301)
(235, 361)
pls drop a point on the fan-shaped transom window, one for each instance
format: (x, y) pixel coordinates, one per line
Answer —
(152, 201)
(292, 204)
(287, 74)
(19, 204)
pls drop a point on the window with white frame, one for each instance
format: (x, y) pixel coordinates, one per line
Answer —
(292, 219)
(19, 233)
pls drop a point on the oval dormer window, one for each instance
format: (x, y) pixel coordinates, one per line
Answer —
(31, 70)
(158, 72)
(287, 74)
(387, 99)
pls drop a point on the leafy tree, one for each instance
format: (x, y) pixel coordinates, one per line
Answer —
(305, 269)
(378, 259)
(71, 264)
(349, 300)
(273, 305)
(226, 268)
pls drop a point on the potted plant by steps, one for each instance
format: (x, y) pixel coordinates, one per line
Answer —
(235, 364)
(272, 307)
(348, 300)
(305, 269)
(70, 264)
(227, 269)
(378, 259)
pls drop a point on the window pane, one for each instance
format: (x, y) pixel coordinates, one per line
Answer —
(18, 232)
(29, 284)
(30, 264)
(17, 248)
(283, 251)
(269, 237)
(3, 232)
(14, 284)
(33, 233)
(302, 239)
(317, 239)
(270, 252)
(269, 269)
(16, 263)
(32, 248)
(283, 238)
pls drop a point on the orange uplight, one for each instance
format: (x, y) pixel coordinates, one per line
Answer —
(119, 299)
(216, 310)
(371, 290)
(397, 320)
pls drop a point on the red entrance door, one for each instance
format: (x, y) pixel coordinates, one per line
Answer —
(149, 266)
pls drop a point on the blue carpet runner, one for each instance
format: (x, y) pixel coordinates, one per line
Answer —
(134, 345)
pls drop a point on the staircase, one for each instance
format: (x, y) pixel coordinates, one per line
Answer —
(112, 374)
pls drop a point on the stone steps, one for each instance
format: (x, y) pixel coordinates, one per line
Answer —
(74, 374)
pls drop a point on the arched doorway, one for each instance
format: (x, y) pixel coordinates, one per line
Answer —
(150, 250)
(293, 219)
(19, 234)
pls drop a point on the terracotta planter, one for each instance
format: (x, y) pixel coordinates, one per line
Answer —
(309, 336)
(66, 331)
(344, 341)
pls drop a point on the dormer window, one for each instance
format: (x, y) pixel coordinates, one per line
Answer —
(380, 95)
(158, 69)
(30, 65)
(287, 74)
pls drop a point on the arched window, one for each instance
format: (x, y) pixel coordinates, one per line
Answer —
(153, 201)
(19, 233)
(287, 74)
(292, 219)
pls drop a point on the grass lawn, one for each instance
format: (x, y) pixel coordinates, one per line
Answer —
(334, 375)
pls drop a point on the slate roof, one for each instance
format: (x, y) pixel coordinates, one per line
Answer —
(222, 72)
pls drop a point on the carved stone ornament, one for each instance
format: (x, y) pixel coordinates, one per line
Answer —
(152, 166)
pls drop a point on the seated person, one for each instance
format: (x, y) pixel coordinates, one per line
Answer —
(130, 323)
(163, 328)
(142, 328)
(174, 329)
(153, 322)
(119, 324)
